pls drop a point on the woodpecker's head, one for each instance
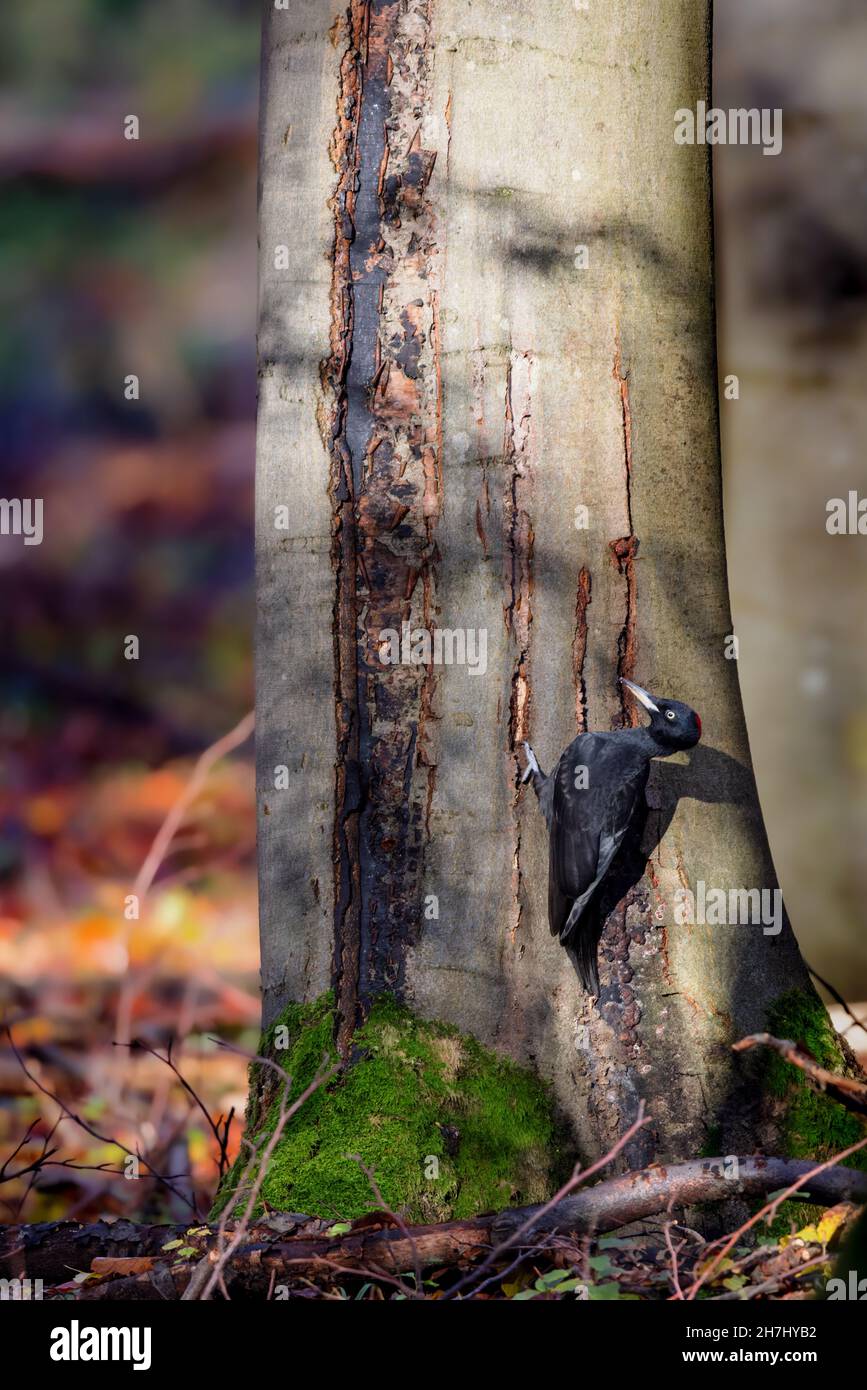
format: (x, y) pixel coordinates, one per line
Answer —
(673, 724)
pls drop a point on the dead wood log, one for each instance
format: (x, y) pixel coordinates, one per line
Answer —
(51, 1251)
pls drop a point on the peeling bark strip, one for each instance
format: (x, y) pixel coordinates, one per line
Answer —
(625, 551)
(579, 648)
(518, 551)
(518, 561)
(383, 380)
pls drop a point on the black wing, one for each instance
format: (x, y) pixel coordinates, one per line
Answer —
(588, 824)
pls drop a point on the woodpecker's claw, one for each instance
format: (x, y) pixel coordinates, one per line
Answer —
(532, 765)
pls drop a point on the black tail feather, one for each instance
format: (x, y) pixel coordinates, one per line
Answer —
(584, 955)
(583, 950)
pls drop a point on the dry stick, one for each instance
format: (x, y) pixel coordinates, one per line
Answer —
(576, 1180)
(170, 826)
(769, 1210)
(201, 1288)
(603, 1207)
(675, 1272)
(221, 1135)
(267, 1061)
(37, 1163)
(838, 999)
(527, 1254)
(95, 1134)
(206, 1267)
(157, 853)
(241, 1185)
(769, 1285)
(846, 1089)
(166, 833)
(286, 1113)
(34, 1168)
(357, 1272)
(399, 1221)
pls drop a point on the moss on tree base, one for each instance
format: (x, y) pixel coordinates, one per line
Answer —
(449, 1128)
(813, 1125)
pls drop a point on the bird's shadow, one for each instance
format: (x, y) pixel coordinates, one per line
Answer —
(707, 775)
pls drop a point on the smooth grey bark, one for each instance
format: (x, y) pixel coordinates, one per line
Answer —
(442, 389)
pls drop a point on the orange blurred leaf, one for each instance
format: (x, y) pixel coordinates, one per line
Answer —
(118, 1264)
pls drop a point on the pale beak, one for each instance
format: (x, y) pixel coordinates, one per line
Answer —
(642, 695)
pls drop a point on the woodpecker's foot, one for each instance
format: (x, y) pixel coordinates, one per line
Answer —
(532, 766)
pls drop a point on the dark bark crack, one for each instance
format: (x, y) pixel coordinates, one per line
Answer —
(518, 559)
(382, 381)
(624, 552)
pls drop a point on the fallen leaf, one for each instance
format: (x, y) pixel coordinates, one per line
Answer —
(121, 1264)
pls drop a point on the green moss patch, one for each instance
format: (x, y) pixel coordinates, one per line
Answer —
(814, 1125)
(449, 1128)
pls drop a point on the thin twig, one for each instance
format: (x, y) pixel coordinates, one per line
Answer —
(283, 1118)
(220, 1134)
(170, 826)
(845, 1089)
(769, 1285)
(675, 1274)
(769, 1210)
(398, 1220)
(163, 839)
(524, 1255)
(578, 1177)
(95, 1134)
(835, 994)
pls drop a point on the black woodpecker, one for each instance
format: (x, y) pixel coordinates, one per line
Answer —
(589, 802)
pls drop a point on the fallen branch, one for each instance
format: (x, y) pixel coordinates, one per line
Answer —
(846, 1089)
(263, 1256)
(50, 1250)
(636, 1196)
(813, 1174)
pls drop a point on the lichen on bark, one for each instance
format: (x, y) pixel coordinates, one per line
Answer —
(450, 1128)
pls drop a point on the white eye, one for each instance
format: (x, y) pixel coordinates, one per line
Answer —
(670, 714)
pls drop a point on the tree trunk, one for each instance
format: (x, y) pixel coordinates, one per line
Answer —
(444, 385)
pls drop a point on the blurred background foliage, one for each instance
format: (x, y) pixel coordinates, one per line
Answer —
(121, 257)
